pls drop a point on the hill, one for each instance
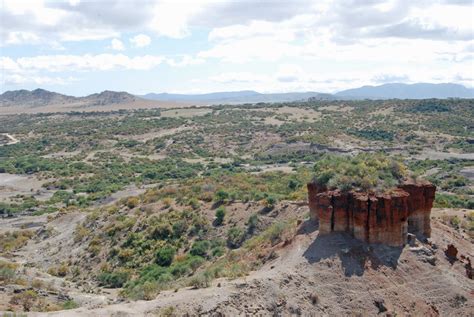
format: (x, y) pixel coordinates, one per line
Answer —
(40, 100)
(406, 91)
(34, 98)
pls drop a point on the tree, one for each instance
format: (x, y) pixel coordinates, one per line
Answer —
(220, 214)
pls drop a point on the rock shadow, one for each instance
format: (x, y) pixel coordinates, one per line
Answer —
(307, 227)
(355, 255)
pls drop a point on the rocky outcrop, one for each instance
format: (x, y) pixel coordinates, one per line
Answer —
(420, 203)
(451, 253)
(374, 218)
(313, 190)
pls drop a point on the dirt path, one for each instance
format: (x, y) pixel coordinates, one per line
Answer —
(13, 140)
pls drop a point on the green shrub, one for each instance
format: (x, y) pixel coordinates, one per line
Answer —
(70, 304)
(221, 196)
(252, 223)
(220, 214)
(113, 279)
(361, 172)
(6, 274)
(165, 255)
(270, 202)
(201, 280)
(200, 248)
(235, 237)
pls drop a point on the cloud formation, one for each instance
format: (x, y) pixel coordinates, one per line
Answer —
(117, 45)
(140, 40)
(275, 44)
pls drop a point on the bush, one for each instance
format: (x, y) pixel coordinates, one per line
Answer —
(200, 248)
(165, 255)
(361, 172)
(270, 202)
(220, 214)
(252, 223)
(201, 280)
(70, 304)
(235, 237)
(113, 279)
(455, 222)
(132, 202)
(27, 299)
(221, 196)
(60, 271)
(6, 274)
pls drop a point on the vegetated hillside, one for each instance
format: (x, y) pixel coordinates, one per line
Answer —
(189, 257)
(114, 206)
(408, 91)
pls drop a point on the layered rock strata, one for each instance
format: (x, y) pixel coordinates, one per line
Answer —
(374, 218)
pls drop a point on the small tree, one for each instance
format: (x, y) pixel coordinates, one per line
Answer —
(220, 214)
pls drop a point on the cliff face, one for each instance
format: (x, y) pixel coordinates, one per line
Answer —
(313, 190)
(374, 218)
(420, 203)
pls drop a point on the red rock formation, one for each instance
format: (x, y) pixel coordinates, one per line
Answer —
(374, 218)
(451, 253)
(420, 203)
(313, 190)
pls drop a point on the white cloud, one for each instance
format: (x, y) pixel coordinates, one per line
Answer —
(291, 77)
(89, 62)
(140, 40)
(276, 45)
(16, 79)
(117, 45)
(21, 38)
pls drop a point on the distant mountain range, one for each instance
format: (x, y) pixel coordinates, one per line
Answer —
(244, 96)
(386, 91)
(406, 91)
(42, 100)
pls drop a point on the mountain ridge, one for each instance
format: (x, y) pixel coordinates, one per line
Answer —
(41, 98)
(408, 91)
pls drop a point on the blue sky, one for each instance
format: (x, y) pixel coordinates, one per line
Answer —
(81, 47)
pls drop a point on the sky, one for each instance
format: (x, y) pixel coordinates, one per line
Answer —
(79, 47)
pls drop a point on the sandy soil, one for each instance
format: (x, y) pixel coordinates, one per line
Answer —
(436, 155)
(12, 185)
